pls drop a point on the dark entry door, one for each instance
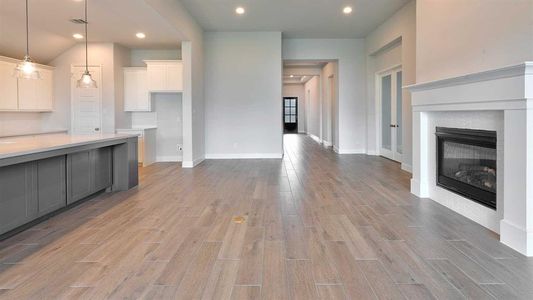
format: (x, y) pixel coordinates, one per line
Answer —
(290, 114)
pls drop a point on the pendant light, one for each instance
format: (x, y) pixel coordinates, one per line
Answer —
(26, 68)
(86, 81)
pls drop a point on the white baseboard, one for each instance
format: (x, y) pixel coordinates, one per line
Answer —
(168, 158)
(336, 149)
(314, 137)
(351, 151)
(191, 164)
(407, 168)
(372, 152)
(244, 156)
(302, 132)
(516, 237)
(419, 189)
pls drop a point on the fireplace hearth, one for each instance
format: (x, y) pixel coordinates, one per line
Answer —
(466, 163)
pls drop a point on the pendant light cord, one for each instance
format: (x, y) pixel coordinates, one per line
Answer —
(86, 42)
(27, 32)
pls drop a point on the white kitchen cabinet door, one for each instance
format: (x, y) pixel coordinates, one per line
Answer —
(156, 77)
(8, 87)
(36, 94)
(165, 76)
(45, 90)
(174, 77)
(136, 95)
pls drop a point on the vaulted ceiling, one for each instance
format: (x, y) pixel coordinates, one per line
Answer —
(109, 21)
(295, 18)
(118, 20)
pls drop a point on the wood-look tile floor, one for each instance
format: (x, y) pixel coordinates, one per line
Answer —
(315, 225)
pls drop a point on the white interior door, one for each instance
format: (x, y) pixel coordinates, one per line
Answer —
(86, 104)
(390, 96)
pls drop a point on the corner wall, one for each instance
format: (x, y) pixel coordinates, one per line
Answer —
(392, 43)
(312, 98)
(243, 92)
(192, 51)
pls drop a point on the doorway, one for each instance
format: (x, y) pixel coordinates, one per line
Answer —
(86, 104)
(389, 85)
(290, 114)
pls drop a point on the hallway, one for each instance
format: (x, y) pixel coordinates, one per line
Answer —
(314, 225)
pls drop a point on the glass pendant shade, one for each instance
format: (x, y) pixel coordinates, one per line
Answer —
(26, 69)
(86, 81)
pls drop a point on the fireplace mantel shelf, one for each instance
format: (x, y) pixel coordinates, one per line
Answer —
(525, 68)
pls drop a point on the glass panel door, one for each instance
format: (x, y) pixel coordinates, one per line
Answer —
(290, 114)
(399, 125)
(390, 96)
(386, 95)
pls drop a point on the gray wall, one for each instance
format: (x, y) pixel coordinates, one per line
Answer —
(243, 91)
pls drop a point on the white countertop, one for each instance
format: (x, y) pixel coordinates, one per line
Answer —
(23, 145)
(137, 128)
(59, 130)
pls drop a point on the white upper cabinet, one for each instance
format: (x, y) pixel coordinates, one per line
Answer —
(136, 95)
(36, 94)
(165, 76)
(25, 94)
(8, 87)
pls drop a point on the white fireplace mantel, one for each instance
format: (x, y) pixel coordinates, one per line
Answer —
(508, 90)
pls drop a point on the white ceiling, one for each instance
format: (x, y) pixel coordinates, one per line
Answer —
(295, 18)
(109, 21)
(301, 70)
(296, 79)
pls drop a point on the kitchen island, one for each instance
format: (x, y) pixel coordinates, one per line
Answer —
(42, 175)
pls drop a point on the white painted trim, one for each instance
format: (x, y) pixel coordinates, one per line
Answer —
(316, 138)
(302, 132)
(351, 151)
(192, 164)
(505, 72)
(374, 153)
(407, 168)
(168, 158)
(336, 149)
(244, 156)
(419, 189)
(516, 237)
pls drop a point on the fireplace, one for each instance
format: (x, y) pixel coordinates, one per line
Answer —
(466, 163)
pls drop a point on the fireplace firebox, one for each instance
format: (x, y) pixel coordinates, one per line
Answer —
(466, 163)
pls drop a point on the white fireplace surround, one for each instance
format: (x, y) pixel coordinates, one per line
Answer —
(499, 100)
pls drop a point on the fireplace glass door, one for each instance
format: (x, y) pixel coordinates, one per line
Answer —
(466, 163)
(390, 94)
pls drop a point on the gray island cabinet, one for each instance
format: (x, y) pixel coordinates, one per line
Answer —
(43, 175)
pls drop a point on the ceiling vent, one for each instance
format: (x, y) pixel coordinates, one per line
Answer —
(78, 21)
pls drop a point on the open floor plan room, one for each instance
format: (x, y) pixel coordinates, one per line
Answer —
(233, 149)
(313, 225)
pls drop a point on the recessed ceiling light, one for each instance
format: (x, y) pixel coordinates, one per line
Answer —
(292, 76)
(240, 10)
(140, 35)
(347, 10)
(77, 36)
